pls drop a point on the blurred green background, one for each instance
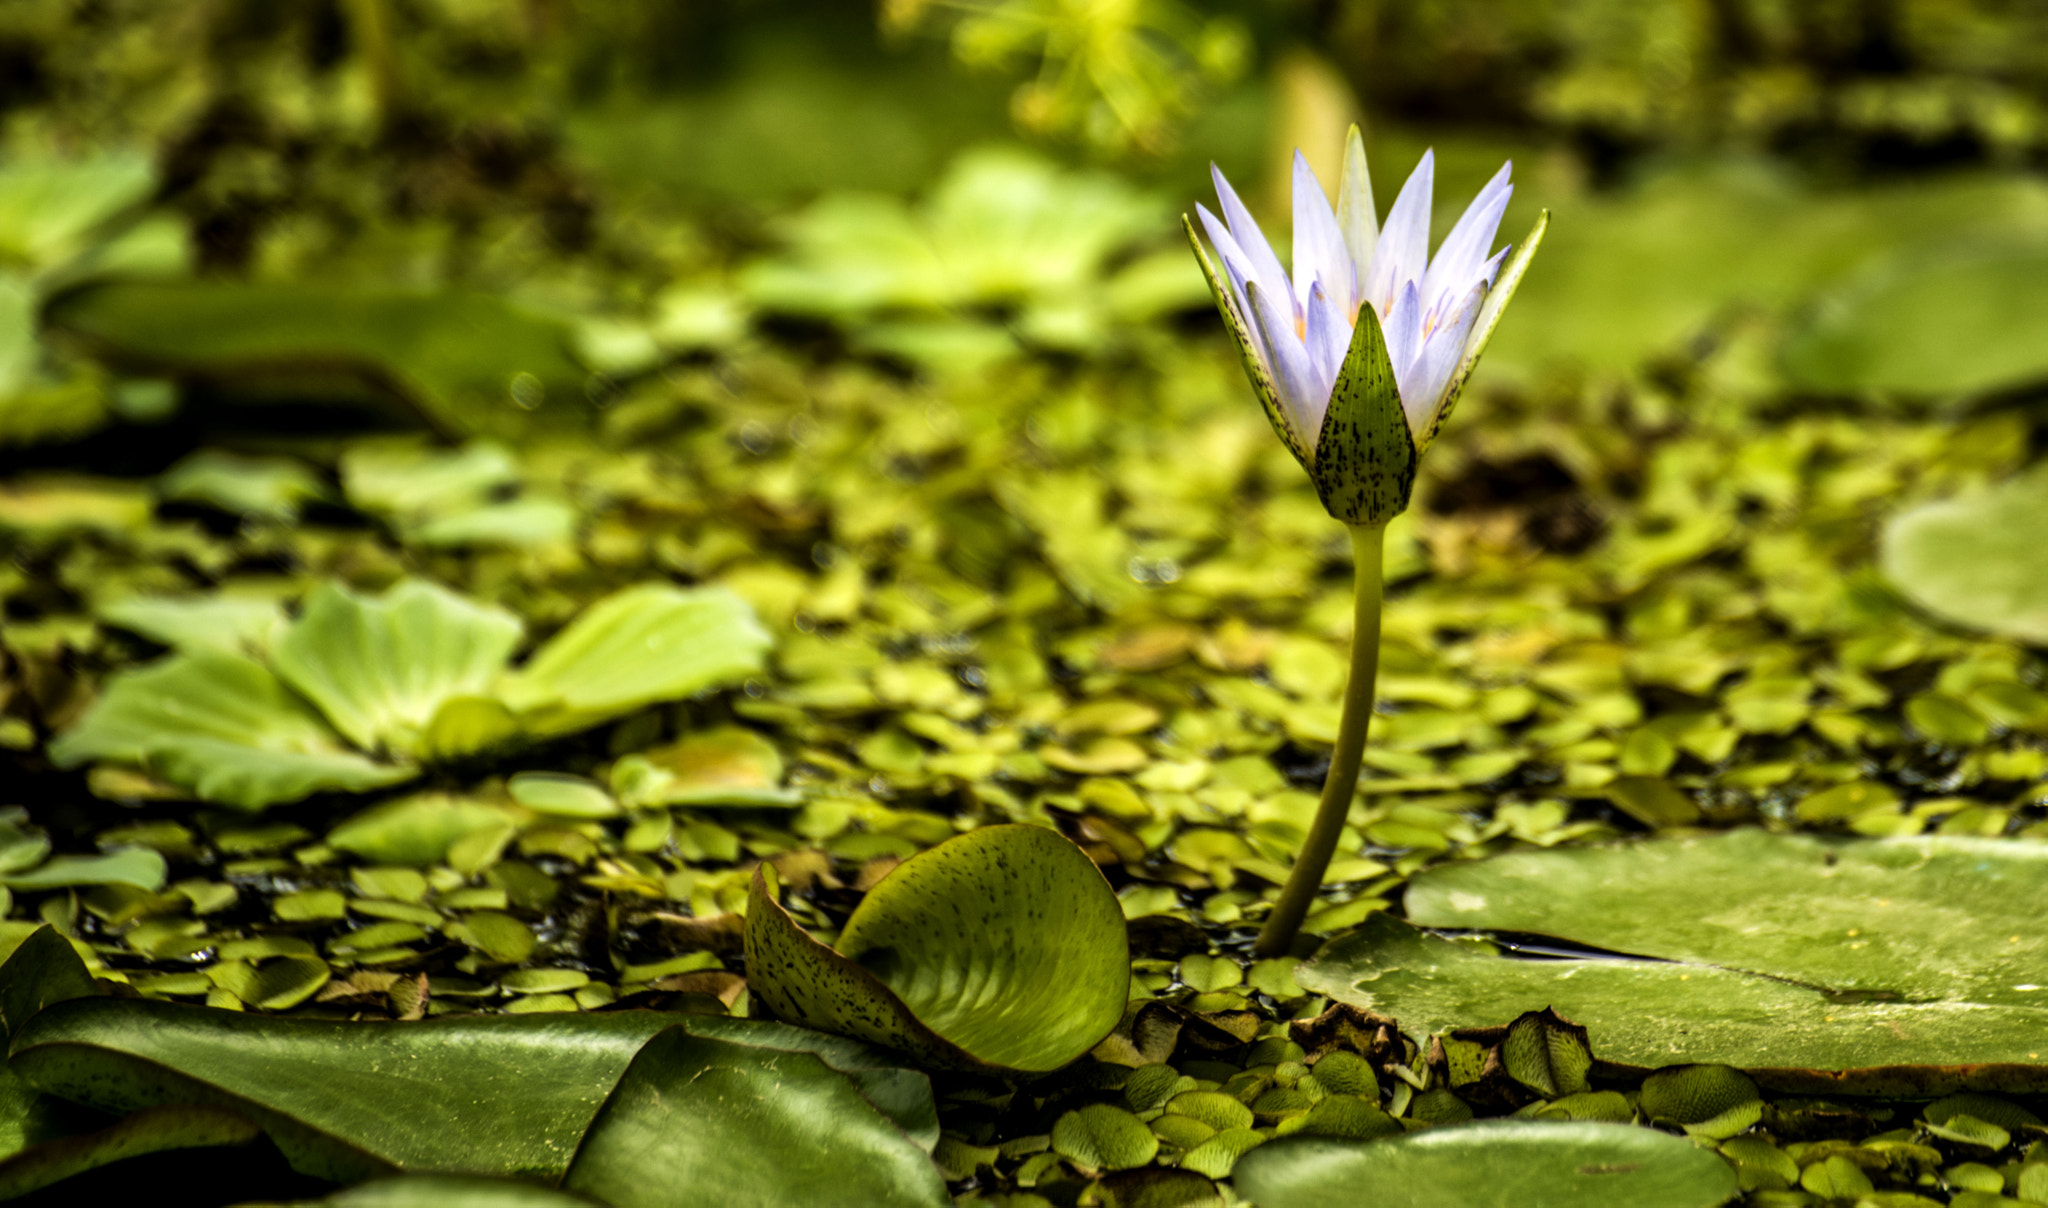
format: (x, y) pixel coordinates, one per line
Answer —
(944, 184)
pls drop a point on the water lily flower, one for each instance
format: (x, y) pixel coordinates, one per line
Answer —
(1357, 357)
(1432, 315)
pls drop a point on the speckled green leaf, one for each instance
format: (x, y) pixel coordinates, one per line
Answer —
(697, 1121)
(1254, 369)
(380, 667)
(1490, 311)
(1497, 1164)
(44, 970)
(1979, 561)
(1000, 949)
(1364, 466)
(637, 647)
(223, 727)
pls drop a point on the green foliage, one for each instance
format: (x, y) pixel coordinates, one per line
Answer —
(466, 361)
(1811, 964)
(1541, 1164)
(417, 674)
(971, 913)
(1977, 560)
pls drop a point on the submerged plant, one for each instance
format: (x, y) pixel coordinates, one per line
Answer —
(1358, 358)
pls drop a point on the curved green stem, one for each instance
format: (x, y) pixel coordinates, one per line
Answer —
(1368, 544)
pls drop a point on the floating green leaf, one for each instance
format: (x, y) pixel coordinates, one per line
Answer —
(416, 830)
(1941, 321)
(1003, 948)
(637, 647)
(1813, 964)
(224, 727)
(226, 624)
(1980, 560)
(485, 1094)
(1497, 1164)
(379, 669)
(697, 1121)
(467, 361)
(729, 765)
(137, 866)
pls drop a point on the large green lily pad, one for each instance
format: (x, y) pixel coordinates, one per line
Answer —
(483, 1094)
(1979, 561)
(1000, 949)
(467, 361)
(1907, 966)
(347, 1100)
(1497, 1164)
(1941, 322)
(701, 1122)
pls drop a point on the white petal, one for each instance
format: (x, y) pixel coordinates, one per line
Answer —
(1292, 376)
(1441, 352)
(1236, 265)
(1403, 250)
(1329, 338)
(1319, 254)
(1403, 329)
(1258, 254)
(1490, 271)
(1355, 214)
(1463, 251)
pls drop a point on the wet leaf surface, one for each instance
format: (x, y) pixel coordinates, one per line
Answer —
(1524, 1164)
(697, 1121)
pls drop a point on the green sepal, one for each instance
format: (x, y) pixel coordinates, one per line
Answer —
(1490, 310)
(1365, 458)
(1255, 369)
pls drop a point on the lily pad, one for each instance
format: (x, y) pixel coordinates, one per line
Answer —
(635, 648)
(1945, 321)
(450, 1191)
(1508, 1164)
(379, 669)
(484, 1094)
(1000, 949)
(467, 361)
(1979, 561)
(224, 727)
(697, 1121)
(1813, 964)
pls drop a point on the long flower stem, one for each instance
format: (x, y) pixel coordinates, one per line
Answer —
(1368, 545)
